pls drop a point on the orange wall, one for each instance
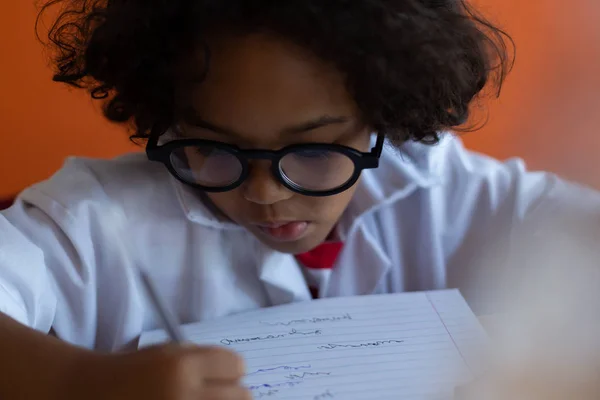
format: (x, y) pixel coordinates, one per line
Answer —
(42, 122)
(548, 114)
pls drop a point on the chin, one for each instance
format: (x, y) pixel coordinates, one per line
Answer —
(296, 247)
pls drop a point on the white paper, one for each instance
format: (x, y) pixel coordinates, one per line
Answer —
(400, 346)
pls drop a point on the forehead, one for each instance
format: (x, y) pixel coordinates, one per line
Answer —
(260, 83)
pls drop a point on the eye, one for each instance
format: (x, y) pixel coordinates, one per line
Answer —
(313, 154)
(212, 152)
(203, 151)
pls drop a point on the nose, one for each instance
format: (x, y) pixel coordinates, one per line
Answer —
(261, 187)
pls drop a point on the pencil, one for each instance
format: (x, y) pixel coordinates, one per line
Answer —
(168, 319)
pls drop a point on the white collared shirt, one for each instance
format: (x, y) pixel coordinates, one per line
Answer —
(430, 217)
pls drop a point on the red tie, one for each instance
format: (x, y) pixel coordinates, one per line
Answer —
(321, 257)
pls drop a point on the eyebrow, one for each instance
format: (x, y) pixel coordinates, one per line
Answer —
(303, 127)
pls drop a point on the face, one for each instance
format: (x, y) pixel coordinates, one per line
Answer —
(262, 92)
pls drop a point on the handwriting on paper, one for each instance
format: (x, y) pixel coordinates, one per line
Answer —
(268, 393)
(274, 385)
(325, 395)
(369, 347)
(279, 368)
(279, 379)
(306, 375)
(293, 332)
(331, 346)
(313, 320)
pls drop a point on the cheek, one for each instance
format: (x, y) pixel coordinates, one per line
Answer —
(329, 209)
(228, 203)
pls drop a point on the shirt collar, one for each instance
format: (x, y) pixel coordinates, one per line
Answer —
(401, 172)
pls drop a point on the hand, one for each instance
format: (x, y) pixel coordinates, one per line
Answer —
(166, 373)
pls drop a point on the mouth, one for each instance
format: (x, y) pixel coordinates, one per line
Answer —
(284, 231)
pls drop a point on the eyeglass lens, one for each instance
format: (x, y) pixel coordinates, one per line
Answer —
(317, 170)
(311, 170)
(206, 166)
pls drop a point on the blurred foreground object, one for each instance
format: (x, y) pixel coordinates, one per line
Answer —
(546, 343)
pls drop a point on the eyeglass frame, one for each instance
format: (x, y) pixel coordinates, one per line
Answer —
(361, 160)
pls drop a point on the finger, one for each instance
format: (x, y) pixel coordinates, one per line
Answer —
(225, 392)
(221, 364)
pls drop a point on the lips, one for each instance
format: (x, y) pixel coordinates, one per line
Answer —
(273, 224)
(284, 231)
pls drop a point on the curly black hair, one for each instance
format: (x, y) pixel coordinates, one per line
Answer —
(412, 66)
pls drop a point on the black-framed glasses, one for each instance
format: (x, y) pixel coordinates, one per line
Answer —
(312, 169)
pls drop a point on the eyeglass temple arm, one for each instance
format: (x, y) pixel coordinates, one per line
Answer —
(152, 144)
(379, 144)
(154, 136)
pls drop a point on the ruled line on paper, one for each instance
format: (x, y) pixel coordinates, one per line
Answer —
(392, 392)
(350, 348)
(217, 329)
(278, 339)
(366, 317)
(326, 374)
(406, 363)
(369, 387)
(357, 323)
(359, 308)
(296, 333)
(319, 351)
(394, 355)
